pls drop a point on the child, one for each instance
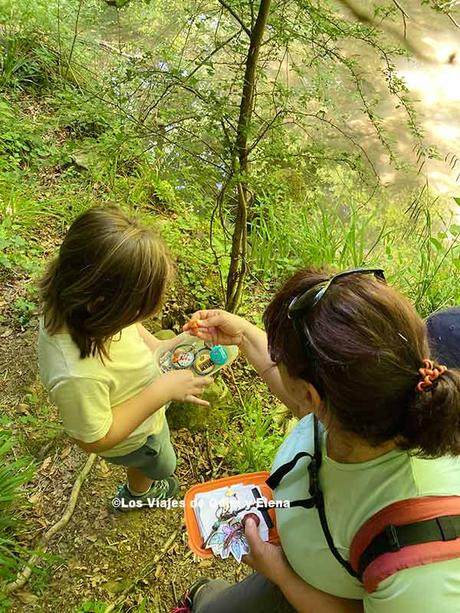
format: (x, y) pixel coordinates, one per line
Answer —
(99, 364)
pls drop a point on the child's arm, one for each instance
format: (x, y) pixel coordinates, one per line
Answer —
(180, 385)
(153, 343)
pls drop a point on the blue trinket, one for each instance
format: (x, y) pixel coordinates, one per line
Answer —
(218, 355)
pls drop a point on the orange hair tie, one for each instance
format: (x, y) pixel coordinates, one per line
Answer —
(429, 374)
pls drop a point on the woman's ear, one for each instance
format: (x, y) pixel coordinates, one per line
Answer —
(310, 401)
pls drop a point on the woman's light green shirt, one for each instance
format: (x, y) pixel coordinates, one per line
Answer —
(353, 493)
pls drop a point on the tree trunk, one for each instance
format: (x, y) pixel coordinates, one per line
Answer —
(238, 264)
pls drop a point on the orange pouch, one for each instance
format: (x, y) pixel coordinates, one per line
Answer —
(195, 540)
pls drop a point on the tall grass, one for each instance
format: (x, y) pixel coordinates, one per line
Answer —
(256, 436)
(13, 474)
(421, 256)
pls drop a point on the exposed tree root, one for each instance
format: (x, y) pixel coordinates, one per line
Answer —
(24, 575)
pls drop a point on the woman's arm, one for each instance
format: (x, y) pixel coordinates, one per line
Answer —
(255, 348)
(307, 599)
(220, 327)
(269, 560)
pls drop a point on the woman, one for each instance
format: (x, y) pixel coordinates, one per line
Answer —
(352, 352)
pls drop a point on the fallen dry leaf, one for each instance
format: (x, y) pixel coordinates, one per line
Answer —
(34, 498)
(27, 597)
(46, 462)
(65, 452)
(104, 470)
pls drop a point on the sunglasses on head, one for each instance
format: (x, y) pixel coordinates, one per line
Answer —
(305, 302)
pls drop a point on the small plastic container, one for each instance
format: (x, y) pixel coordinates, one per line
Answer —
(195, 539)
(191, 352)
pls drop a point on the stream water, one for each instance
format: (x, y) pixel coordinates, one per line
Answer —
(435, 88)
(434, 85)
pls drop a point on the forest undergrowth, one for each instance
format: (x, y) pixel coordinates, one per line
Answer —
(71, 137)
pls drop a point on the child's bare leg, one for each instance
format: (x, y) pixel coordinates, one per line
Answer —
(138, 483)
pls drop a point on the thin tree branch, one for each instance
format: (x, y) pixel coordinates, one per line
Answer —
(404, 14)
(453, 20)
(235, 15)
(26, 572)
(401, 8)
(74, 40)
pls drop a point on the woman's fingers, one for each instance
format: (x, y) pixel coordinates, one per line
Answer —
(206, 319)
(251, 532)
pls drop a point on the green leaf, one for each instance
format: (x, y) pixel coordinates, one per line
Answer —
(437, 244)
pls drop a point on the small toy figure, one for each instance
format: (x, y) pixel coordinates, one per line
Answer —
(183, 357)
(194, 324)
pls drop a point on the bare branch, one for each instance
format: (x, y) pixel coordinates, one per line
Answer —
(453, 20)
(235, 15)
(74, 39)
(401, 9)
(405, 16)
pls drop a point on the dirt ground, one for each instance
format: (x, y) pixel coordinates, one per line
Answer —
(99, 553)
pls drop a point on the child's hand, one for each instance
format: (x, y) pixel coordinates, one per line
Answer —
(184, 386)
(217, 327)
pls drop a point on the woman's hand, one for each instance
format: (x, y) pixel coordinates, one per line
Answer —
(266, 559)
(184, 386)
(217, 327)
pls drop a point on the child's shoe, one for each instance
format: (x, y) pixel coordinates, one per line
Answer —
(186, 603)
(160, 490)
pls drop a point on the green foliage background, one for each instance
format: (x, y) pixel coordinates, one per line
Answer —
(137, 106)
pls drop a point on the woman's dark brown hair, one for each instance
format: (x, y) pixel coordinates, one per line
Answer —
(110, 272)
(366, 345)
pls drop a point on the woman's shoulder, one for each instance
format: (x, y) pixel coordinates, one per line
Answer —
(299, 439)
(436, 476)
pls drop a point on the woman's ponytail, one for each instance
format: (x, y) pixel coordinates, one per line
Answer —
(432, 424)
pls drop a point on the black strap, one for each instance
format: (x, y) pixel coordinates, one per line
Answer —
(317, 499)
(263, 511)
(274, 479)
(393, 538)
(317, 494)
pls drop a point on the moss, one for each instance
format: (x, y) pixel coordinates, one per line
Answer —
(164, 335)
(198, 418)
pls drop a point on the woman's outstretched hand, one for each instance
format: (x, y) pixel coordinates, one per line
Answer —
(265, 558)
(217, 327)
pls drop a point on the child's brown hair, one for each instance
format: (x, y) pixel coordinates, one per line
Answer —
(367, 346)
(110, 273)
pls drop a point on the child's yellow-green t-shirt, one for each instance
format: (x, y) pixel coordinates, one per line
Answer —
(86, 390)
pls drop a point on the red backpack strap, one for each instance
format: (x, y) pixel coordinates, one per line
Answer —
(402, 513)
